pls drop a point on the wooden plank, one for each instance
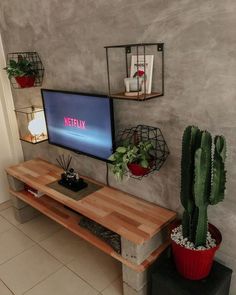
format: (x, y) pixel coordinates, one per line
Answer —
(134, 219)
(70, 220)
(122, 95)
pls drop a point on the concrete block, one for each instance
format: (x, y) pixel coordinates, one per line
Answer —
(127, 290)
(15, 184)
(136, 280)
(25, 214)
(18, 203)
(138, 253)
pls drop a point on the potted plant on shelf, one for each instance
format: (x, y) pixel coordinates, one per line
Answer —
(23, 71)
(203, 179)
(136, 158)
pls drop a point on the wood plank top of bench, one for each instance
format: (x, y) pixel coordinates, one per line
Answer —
(132, 218)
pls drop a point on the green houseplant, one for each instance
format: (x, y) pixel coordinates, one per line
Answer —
(137, 158)
(203, 179)
(23, 71)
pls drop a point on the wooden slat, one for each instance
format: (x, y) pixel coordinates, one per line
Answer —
(122, 95)
(132, 218)
(70, 220)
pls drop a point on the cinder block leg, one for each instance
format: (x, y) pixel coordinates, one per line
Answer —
(135, 280)
(22, 211)
(25, 214)
(15, 184)
(17, 203)
(127, 290)
(138, 253)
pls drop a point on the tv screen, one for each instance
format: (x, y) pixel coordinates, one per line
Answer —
(80, 122)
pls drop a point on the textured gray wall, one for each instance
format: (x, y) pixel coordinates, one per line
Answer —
(200, 78)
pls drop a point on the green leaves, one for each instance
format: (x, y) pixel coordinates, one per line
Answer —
(121, 149)
(141, 153)
(21, 68)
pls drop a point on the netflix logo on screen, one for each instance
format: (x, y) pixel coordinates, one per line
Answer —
(73, 122)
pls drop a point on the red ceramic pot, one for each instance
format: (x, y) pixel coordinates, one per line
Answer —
(192, 264)
(25, 81)
(138, 170)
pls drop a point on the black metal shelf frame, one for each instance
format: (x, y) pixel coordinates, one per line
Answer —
(146, 133)
(127, 51)
(35, 60)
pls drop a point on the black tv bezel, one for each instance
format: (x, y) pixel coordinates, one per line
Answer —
(86, 94)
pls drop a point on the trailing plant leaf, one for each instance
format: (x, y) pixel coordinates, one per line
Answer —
(21, 68)
(121, 149)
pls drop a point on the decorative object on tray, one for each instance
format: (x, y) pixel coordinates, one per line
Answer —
(111, 238)
(24, 69)
(203, 179)
(140, 150)
(69, 178)
(31, 124)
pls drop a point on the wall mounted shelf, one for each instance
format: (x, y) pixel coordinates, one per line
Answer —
(31, 124)
(120, 66)
(36, 63)
(144, 133)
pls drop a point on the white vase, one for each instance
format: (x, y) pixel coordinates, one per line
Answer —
(133, 84)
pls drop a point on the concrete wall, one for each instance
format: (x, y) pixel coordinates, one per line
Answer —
(200, 78)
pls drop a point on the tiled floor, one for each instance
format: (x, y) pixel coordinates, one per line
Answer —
(42, 258)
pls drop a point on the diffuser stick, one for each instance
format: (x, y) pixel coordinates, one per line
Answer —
(68, 162)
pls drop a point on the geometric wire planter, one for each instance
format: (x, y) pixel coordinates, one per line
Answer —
(144, 133)
(36, 62)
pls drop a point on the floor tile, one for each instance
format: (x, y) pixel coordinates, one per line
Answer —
(5, 205)
(4, 225)
(63, 282)
(4, 290)
(63, 245)
(12, 243)
(95, 267)
(9, 215)
(39, 228)
(116, 288)
(28, 269)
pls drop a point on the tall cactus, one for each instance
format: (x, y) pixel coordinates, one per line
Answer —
(202, 180)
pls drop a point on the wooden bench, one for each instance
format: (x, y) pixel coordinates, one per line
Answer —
(142, 226)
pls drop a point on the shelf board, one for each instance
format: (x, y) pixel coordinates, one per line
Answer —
(31, 139)
(70, 220)
(141, 97)
(132, 218)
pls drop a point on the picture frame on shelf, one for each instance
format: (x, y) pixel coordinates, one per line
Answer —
(142, 66)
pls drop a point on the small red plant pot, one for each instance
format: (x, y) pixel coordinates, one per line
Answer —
(25, 81)
(138, 170)
(196, 264)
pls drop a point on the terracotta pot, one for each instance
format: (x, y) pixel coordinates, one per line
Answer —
(192, 264)
(25, 81)
(138, 170)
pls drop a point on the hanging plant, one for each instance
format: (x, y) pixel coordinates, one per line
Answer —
(23, 71)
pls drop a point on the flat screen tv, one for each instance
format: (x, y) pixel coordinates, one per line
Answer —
(80, 122)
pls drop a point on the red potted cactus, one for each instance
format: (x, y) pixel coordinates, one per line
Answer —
(203, 178)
